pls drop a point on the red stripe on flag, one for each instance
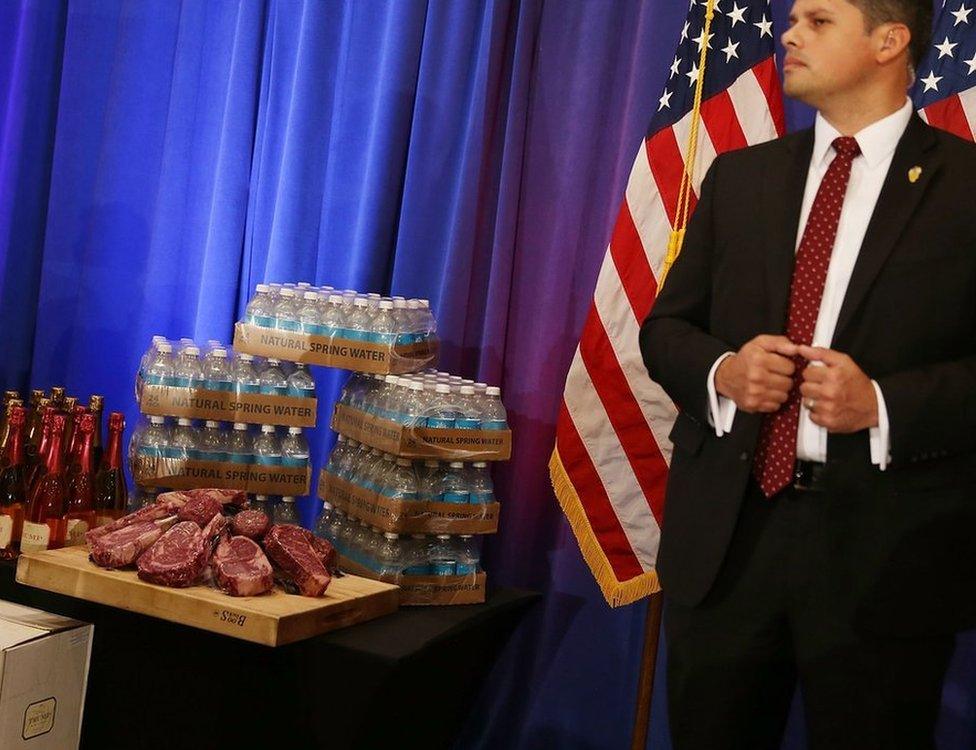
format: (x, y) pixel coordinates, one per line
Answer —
(768, 78)
(594, 500)
(667, 166)
(719, 116)
(629, 257)
(948, 114)
(624, 413)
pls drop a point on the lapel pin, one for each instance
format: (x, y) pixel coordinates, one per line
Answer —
(913, 174)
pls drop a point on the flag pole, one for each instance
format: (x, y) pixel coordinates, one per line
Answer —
(645, 683)
(652, 621)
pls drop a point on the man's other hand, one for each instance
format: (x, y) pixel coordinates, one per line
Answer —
(759, 376)
(837, 392)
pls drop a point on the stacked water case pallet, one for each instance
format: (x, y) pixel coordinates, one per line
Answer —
(331, 329)
(186, 441)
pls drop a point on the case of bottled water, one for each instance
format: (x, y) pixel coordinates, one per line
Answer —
(339, 328)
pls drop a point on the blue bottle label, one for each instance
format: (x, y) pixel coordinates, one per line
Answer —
(439, 568)
(275, 390)
(180, 382)
(268, 460)
(386, 339)
(482, 497)
(248, 388)
(406, 497)
(154, 380)
(417, 570)
(220, 456)
(240, 458)
(150, 451)
(464, 423)
(313, 329)
(302, 392)
(293, 461)
(286, 324)
(429, 497)
(494, 424)
(465, 569)
(455, 497)
(441, 422)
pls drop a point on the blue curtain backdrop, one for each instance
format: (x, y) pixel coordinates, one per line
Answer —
(158, 158)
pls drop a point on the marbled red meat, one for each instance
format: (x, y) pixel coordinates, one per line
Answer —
(241, 568)
(177, 559)
(201, 510)
(253, 524)
(290, 548)
(122, 547)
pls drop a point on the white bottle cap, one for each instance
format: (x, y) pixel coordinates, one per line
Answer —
(240, 426)
(272, 362)
(413, 304)
(157, 420)
(361, 302)
(287, 291)
(443, 536)
(303, 284)
(416, 385)
(425, 304)
(326, 505)
(386, 305)
(480, 464)
(187, 341)
(262, 288)
(399, 303)
(466, 536)
(159, 339)
(192, 350)
(335, 299)
(457, 465)
(294, 430)
(374, 295)
(311, 296)
(443, 388)
(287, 498)
(212, 423)
(165, 347)
(261, 498)
(391, 536)
(467, 390)
(219, 353)
(267, 428)
(493, 390)
(245, 357)
(213, 343)
(396, 297)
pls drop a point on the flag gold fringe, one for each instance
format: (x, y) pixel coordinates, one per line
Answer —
(617, 593)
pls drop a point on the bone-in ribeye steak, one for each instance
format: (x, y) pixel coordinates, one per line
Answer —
(291, 549)
(122, 547)
(177, 559)
(240, 567)
(166, 505)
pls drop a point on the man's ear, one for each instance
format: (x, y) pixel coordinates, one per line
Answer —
(894, 39)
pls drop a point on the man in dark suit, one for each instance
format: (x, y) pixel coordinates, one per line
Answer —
(818, 334)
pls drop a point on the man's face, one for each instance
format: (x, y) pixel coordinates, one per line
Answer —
(828, 50)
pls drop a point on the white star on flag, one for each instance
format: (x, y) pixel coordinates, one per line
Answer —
(962, 15)
(971, 62)
(692, 75)
(674, 67)
(700, 40)
(765, 27)
(665, 100)
(736, 15)
(946, 48)
(932, 82)
(730, 50)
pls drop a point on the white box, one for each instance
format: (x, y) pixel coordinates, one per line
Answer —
(43, 675)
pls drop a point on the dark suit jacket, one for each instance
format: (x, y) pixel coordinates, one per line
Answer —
(905, 538)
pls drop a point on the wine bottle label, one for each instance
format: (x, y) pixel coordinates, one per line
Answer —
(75, 533)
(6, 531)
(36, 536)
(103, 520)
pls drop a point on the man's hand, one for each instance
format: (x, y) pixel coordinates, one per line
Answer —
(837, 392)
(759, 377)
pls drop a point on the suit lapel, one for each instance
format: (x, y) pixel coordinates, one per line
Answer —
(783, 198)
(897, 202)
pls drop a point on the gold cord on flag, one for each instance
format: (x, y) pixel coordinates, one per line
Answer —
(677, 237)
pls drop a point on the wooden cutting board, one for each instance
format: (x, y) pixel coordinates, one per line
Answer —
(274, 619)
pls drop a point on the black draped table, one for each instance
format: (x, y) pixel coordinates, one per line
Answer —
(404, 680)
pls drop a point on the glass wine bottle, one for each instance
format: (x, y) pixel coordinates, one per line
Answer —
(79, 508)
(13, 489)
(111, 494)
(44, 523)
(96, 404)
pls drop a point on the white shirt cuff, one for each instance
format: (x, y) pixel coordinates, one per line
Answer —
(879, 436)
(721, 410)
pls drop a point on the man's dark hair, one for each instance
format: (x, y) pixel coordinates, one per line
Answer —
(915, 14)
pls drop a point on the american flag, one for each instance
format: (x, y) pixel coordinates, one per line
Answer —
(945, 88)
(610, 463)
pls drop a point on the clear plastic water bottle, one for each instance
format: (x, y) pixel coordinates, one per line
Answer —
(187, 372)
(418, 556)
(150, 354)
(240, 445)
(334, 317)
(286, 512)
(294, 449)
(443, 561)
(399, 481)
(467, 555)
(402, 320)
(325, 521)
(480, 487)
(300, 383)
(184, 440)
(310, 314)
(261, 502)
(341, 529)
(260, 310)
(267, 447)
(246, 378)
(430, 483)
(350, 460)
(414, 332)
(213, 442)
(384, 325)
(359, 540)
(358, 324)
(443, 413)
(217, 373)
(494, 416)
(454, 484)
(155, 439)
(159, 370)
(427, 322)
(286, 311)
(272, 380)
(393, 402)
(414, 409)
(389, 555)
(468, 413)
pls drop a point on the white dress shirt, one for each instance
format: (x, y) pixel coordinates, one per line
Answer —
(868, 172)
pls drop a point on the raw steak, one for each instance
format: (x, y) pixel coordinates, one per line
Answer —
(240, 567)
(166, 505)
(224, 497)
(122, 547)
(251, 523)
(177, 559)
(201, 510)
(290, 548)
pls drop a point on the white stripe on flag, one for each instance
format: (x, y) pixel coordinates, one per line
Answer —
(751, 108)
(968, 101)
(706, 151)
(611, 464)
(647, 211)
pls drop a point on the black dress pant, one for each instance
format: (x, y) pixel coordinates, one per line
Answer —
(772, 619)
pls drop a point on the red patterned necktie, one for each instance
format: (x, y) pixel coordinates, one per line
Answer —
(776, 451)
